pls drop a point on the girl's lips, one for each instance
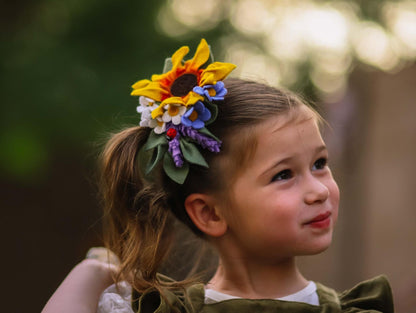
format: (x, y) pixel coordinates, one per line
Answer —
(320, 221)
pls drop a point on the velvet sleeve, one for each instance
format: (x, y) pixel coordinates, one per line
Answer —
(373, 295)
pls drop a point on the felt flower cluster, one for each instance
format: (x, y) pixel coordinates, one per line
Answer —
(178, 104)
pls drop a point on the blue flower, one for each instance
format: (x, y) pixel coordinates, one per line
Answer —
(196, 116)
(212, 92)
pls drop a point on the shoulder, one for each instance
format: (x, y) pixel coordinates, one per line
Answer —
(373, 294)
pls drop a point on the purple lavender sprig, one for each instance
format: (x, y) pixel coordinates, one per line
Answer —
(175, 151)
(204, 141)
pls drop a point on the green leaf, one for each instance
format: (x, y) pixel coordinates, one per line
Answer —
(168, 65)
(205, 131)
(158, 154)
(177, 174)
(191, 153)
(155, 140)
(211, 55)
(213, 108)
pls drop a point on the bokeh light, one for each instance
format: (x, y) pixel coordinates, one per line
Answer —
(179, 17)
(274, 40)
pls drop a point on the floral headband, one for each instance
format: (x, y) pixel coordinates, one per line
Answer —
(178, 104)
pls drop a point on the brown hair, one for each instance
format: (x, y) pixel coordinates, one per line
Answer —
(139, 213)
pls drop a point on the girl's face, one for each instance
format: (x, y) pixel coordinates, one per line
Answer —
(285, 201)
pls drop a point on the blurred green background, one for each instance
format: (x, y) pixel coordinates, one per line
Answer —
(66, 70)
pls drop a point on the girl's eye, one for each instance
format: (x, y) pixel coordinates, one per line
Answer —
(283, 175)
(320, 164)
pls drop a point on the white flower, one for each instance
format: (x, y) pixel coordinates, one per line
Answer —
(147, 120)
(161, 126)
(173, 112)
(146, 102)
(145, 108)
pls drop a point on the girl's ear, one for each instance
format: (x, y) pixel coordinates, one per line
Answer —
(205, 214)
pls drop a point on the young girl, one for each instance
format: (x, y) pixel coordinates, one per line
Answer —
(244, 166)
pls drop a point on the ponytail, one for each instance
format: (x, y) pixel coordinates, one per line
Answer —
(137, 222)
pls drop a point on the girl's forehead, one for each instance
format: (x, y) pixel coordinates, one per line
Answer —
(242, 146)
(291, 138)
(293, 116)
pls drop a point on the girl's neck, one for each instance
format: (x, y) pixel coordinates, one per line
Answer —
(257, 281)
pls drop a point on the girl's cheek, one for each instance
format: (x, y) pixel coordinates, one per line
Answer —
(334, 194)
(335, 191)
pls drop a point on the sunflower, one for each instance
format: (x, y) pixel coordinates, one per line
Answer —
(176, 85)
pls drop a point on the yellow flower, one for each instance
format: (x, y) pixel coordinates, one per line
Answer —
(182, 78)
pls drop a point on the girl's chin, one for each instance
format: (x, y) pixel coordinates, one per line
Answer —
(319, 247)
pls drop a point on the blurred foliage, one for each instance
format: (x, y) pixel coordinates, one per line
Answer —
(67, 67)
(66, 71)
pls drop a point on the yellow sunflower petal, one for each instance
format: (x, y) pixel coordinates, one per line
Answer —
(178, 56)
(214, 72)
(201, 56)
(149, 89)
(158, 77)
(140, 84)
(158, 111)
(193, 98)
(173, 100)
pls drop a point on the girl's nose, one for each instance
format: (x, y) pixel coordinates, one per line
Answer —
(315, 190)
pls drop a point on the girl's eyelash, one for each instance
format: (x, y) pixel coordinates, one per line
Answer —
(286, 174)
(320, 163)
(282, 175)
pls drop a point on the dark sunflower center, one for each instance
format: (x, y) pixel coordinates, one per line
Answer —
(183, 84)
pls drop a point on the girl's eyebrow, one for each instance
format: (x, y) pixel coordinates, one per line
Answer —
(320, 149)
(317, 150)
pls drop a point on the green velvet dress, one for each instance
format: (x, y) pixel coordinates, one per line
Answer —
(369, 296)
